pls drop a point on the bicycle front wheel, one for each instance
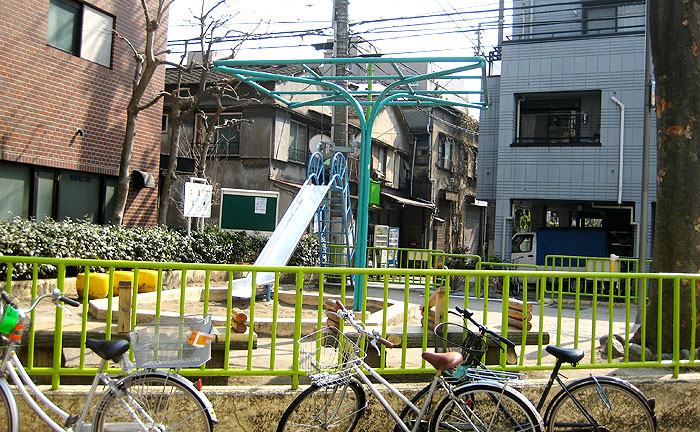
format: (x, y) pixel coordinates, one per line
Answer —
(485, 407)
(614, 405)
(9, 415)
(334, 407)
(159, 402)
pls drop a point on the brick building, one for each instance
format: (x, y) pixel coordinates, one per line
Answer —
(66, 81)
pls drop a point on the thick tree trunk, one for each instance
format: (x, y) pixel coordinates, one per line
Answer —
(675, 35)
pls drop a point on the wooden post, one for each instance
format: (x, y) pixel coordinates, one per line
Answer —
(124, 313)
(440, 306)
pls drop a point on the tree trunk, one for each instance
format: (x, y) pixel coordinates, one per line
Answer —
(143, 78)
(122, 191)
(675, 34)
(174, 152)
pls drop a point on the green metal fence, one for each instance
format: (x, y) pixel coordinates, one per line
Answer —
(615, 268)
(565, 317)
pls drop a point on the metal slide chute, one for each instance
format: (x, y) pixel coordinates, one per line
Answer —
(309, 201)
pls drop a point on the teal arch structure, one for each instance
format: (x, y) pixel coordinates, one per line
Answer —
(394, 87)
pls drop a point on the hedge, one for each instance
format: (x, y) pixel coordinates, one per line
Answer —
(81, 239)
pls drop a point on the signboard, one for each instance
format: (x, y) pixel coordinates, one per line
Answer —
(248, 210)
(197, 200)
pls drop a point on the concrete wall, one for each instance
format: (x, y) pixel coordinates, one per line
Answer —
(253, 409)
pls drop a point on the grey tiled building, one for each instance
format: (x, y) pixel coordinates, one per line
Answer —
(554, 142)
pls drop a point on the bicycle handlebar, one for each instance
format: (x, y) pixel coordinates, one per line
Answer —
(349, 317)
(55, 294)
(466, 314)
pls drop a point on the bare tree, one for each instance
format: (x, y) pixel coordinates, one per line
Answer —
(184, 103)
(147, 62)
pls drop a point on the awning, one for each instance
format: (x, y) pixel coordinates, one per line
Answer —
(405, 201)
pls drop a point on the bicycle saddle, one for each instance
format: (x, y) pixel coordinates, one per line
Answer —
(443, 361)
(108, 349)
(569, 355)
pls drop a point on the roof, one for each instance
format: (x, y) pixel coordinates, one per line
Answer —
(406, 201)
(192, 77)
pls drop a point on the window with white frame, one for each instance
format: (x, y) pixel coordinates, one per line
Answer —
(81, 30)
(298, 141)
(381, 160)
(445, 145)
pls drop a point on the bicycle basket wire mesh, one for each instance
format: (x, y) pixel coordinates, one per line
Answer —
(455, 337)
(167, 342)
(327, 356)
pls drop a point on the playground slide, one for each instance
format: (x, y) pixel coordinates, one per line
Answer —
(281, 244)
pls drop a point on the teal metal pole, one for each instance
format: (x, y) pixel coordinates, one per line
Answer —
(362, 213)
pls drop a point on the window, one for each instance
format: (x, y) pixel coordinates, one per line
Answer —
(613, 17)
(15, 190)
(561, 119)
(36, 192)
(522, 243)
(298, 141)
(80, 30)
(445, 145)
(64, 26)
(164, 123)
(381, 160)
(228, 135)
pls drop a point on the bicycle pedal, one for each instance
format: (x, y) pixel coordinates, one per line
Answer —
(70, 421)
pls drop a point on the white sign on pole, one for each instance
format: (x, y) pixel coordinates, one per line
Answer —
(197, 200)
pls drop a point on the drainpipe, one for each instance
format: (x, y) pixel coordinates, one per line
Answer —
(413, 164)
(622, 147)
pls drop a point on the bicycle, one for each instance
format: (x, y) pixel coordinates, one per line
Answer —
(147, 400)
(336, 398)
(595, 404)
(516, 282)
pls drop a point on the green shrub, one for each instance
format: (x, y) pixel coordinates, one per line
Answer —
(84, 240)
(460, 262)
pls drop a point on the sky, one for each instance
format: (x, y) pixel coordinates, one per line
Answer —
(448, 27)
(286, 29)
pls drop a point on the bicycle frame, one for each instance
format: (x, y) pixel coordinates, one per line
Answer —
(555, 376)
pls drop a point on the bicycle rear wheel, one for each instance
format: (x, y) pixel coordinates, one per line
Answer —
(334, 407)
(409, 416)
(167, 405)
(616, 405)
(484, 407)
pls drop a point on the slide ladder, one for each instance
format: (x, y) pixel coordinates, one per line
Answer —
(336, 227)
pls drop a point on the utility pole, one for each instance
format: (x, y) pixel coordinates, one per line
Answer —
(501, 20)
(477, 51)
(340, 50)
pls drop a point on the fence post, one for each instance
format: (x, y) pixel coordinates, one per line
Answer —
(124, 313)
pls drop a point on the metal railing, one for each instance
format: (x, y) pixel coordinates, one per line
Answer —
(566, 318)
(615, 268)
